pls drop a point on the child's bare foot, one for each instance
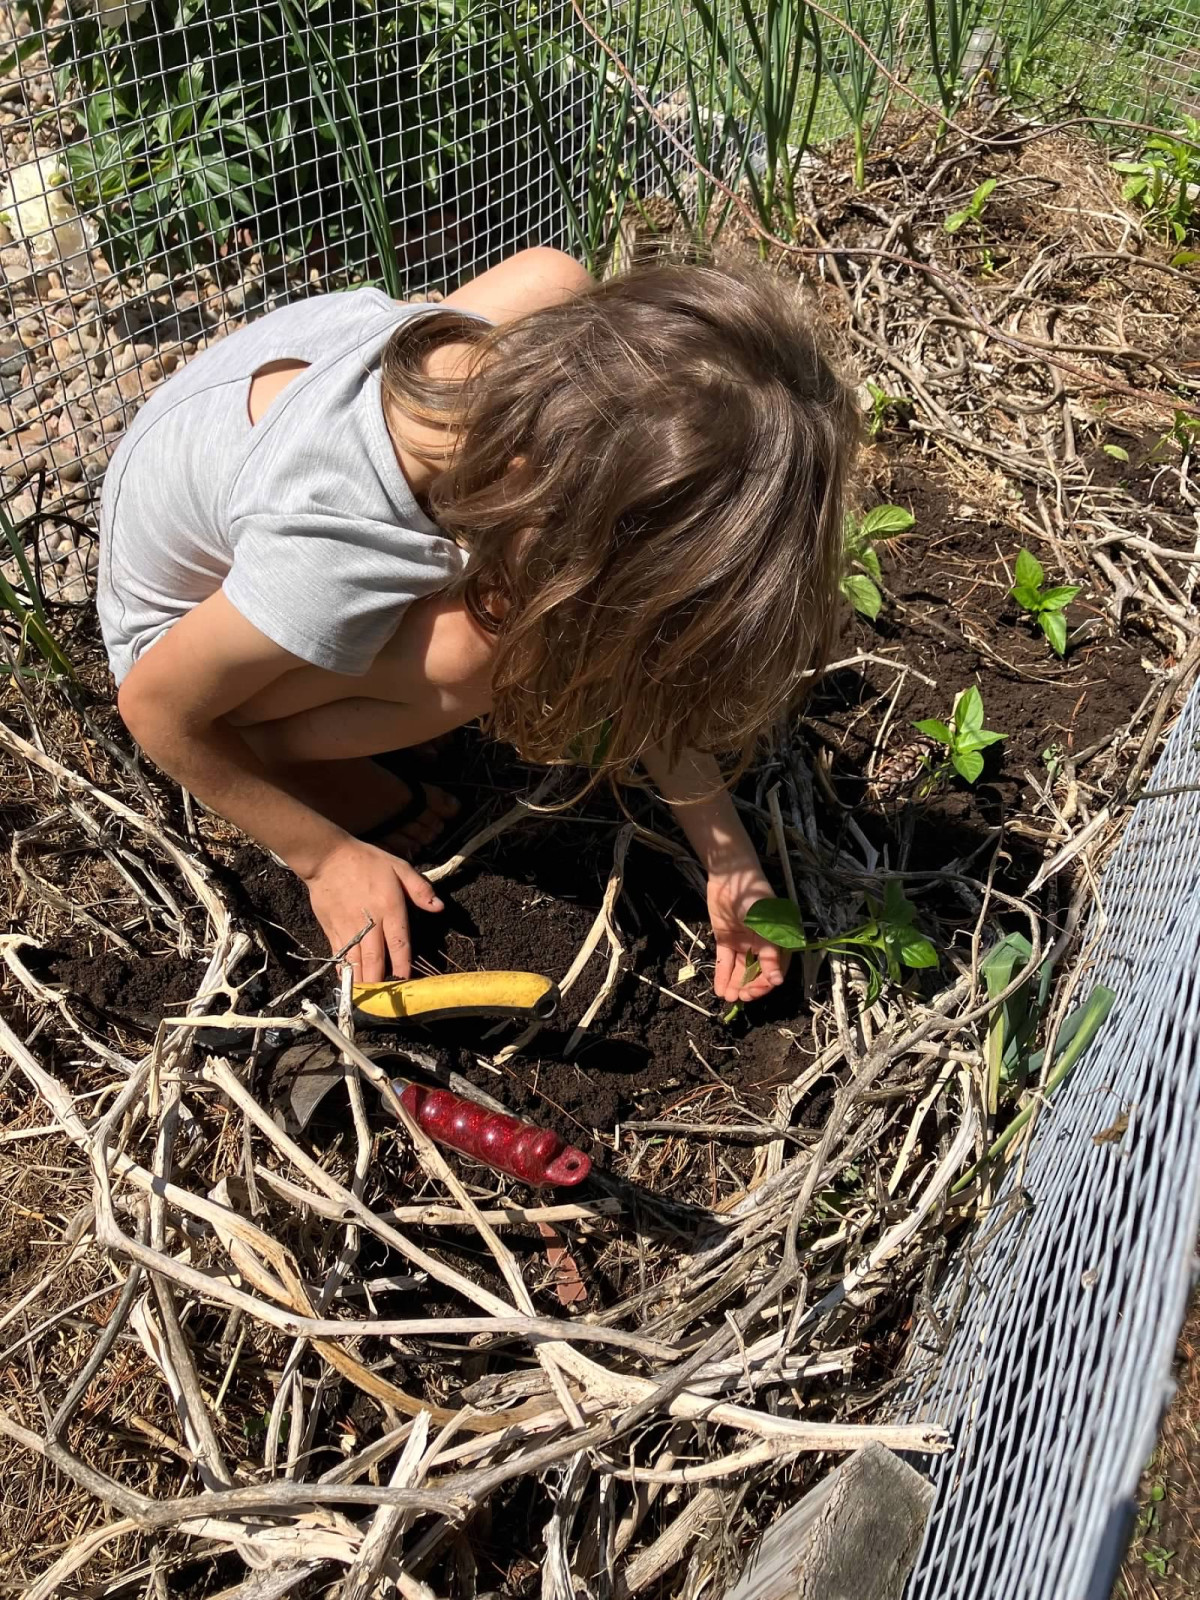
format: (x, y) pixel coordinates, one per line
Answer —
(417, 821)
(399, 814)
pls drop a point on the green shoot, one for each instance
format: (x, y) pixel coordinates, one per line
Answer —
(1045, 606)
(1183, 432)
(1164, 180)
(855, 77)
(973, 210)
(775, 57)
(1074, 1037)
(1012, 1022)
(751, 972)
(1116, 451)
(24, 602)
(963, 737)
(888, 941)
(949, 28)
(884, 408)
(861, 572)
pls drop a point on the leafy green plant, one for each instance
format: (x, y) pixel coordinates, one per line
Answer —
(949, 25)
(862, 574)
(1163, 179)
(973, 210)
(209, 116)
(1045, 606)
(1158, 1559)
(1183, 432)
(1076, 1034)
(889, 940)
(885, 408)
(711, 130)
(770, 50)
(1029, 27)
(964, 737)
(855, 77)
(24, 605)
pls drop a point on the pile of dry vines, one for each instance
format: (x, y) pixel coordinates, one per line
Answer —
(664, 1428)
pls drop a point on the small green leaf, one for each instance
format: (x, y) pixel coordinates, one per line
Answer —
(1054, 625)
(978, 739)
(1029, 571)
(983, 194)
(897, 907)
(862, 594)
(1184, 258)
(914, 949)
(1115, 450)
(967, 763)
(883, 521)
(778, 921)
(956, 219)
(1027, 599)
(1003, 960)
(1059, 599)
(1134, 187)
(968, 710)
(869, 557)
(933, 729)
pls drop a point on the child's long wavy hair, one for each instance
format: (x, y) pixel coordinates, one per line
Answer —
(649, 479)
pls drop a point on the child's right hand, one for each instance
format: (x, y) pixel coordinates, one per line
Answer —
(357, 882)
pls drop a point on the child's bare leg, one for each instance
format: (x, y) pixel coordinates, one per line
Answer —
(322, 755)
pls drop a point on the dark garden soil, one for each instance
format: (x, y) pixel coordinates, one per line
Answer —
(528, 900)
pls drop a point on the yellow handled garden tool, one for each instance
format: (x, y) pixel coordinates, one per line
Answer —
(537, 1156)
(392, 1004)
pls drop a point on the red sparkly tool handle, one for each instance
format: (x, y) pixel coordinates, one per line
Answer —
(535, 1155)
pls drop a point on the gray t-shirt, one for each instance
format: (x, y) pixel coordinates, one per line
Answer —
(305, 519)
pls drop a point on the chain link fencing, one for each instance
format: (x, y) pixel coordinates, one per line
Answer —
(171, 172)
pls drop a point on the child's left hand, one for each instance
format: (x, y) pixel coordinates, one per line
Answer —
(731, 893)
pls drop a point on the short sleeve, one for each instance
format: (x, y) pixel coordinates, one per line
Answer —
(330, 590)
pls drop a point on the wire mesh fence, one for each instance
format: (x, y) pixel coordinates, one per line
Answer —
(170, 172)
(1065, 1309)
(173, 172)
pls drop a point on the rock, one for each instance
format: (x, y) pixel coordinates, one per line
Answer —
(26, 453)
(6, 237)
(129, 385)
(143, 352)
(49, 553)
(155, 280)
(19, 506)
(65, 354)
(13, 362)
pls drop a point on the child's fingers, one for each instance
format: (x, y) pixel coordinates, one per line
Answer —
(770, 959)
(399, 945)
(418, 889)
(723, 976)
(367, 958)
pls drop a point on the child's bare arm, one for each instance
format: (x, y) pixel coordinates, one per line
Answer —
(707, 815)
(175, 702)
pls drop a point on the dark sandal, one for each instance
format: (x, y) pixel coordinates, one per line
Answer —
(415, 806)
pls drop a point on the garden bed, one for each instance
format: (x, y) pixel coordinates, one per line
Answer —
(773, 1194)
